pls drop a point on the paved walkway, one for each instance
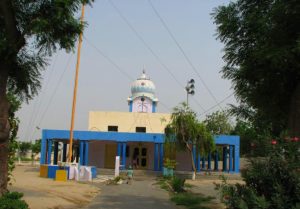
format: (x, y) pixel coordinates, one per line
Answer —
(141, 194)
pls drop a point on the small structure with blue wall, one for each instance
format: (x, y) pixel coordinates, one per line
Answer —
(84, 139)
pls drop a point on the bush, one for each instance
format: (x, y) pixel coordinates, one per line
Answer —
(177, 184)
(12, 200)
(272, 182)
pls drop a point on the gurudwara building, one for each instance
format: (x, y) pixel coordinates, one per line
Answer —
(137, 136)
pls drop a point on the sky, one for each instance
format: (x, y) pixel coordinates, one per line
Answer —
(173, 40)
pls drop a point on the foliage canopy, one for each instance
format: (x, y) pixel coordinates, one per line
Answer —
(262, 53)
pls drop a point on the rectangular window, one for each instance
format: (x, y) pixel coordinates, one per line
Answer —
(112, 128)
(140, 129)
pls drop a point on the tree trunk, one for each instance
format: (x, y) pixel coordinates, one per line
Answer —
(3, 167)
(294, 115)
(4, 131)
(193, 163)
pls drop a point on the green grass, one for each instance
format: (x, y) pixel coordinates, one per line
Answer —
(187, 199)
(191, 200)
(162, 182)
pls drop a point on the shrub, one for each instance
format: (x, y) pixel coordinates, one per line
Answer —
(177, 184)
(12, 200)
(272, 182)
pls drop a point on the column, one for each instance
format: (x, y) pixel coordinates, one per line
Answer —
(81, 153)
(119, 150)
(43, 148)
(64, 152)
(49, 151)
(203, 162)
(225, 158)
(86, 153)
(124, 155)
(230, 157)
(209, 161)
(194, 155)
(198, 162)
(153, 106)
(216, 161)
(161, 156)
(130, 106)
(156, 156)
(55, 153)
(237, 158)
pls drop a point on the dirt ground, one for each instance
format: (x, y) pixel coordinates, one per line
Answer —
(207, 187)
(43, 193)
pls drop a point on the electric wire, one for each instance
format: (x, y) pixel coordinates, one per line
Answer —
(54, 92)
(144, 42)
(116, 66)
(183, 52)
(109, 59)
(223, 100)
(150, 49)
(38, 102)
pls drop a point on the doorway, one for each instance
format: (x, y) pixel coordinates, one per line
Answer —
(110, 155)
(140, 157)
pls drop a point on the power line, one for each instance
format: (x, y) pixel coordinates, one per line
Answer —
(115, 65)
(147, 46)
(144, 42)
(38, 102)
(223, 100)
(183, 52)
(54, 92)
(109, 59)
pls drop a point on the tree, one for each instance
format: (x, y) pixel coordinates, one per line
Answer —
(15, 105)
(24, 147)
(35, 149)
(30, 31)
(272, 182)
(253, 141)
(218, 123)
(187, 132)
(262, 58)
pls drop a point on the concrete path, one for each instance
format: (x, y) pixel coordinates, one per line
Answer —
(141, 194)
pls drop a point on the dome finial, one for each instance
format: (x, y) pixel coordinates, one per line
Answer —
(144, 70)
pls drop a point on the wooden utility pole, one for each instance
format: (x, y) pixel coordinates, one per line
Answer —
(75, 90)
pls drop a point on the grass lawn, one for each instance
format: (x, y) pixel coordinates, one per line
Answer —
(191, 200)
(188, 199)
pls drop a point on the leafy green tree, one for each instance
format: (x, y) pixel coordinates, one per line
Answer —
(262, 59)
(186, 131)
(24, 148)
(15, 105)
(35, 149)
(253, 141)
(30, 31)
(272, 182)
(36, 146)
(218, 123)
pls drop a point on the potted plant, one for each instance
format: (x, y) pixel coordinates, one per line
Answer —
(169, 165)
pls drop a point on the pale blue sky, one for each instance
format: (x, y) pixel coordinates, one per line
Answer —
(103, 87)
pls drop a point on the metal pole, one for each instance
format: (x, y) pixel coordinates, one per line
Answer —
(75, 89)
(187, 98)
